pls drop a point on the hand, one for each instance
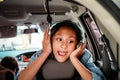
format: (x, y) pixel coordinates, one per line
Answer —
(46, 45)
(79, 51)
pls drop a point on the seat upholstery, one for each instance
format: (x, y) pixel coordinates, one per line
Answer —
(6, 74)
(52, 70)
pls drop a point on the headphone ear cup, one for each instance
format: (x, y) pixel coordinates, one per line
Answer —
(52, 26)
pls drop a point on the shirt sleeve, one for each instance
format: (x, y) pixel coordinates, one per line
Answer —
(87, 61)
(33, 57)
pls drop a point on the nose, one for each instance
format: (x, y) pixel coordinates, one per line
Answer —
(64, 45)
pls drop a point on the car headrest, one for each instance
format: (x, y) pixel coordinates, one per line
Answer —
(53, 70)
(6, 74)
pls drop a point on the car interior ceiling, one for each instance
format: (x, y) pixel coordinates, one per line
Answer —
(18, 11)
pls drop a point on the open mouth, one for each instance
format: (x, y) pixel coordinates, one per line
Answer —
(62, 53)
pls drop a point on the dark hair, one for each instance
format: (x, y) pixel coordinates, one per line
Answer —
(10, 63)
(70, 24)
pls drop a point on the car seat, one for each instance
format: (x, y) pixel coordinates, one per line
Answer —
(52, 70)
(6, 74)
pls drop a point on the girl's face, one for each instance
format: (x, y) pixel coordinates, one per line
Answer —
(64, 43)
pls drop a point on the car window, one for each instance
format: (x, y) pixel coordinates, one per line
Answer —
(102, 53)
(117, 2)
(22, 41)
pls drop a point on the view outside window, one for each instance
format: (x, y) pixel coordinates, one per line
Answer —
(23, 41)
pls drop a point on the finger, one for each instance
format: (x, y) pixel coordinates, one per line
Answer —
(79, 49)
(46, 33)
(84, 45)
(80, 45)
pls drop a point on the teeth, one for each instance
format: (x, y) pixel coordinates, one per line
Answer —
(62, 53)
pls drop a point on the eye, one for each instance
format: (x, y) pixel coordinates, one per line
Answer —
(59, 39)
(70, 41)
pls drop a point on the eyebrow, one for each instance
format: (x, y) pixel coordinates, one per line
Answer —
(69, 36)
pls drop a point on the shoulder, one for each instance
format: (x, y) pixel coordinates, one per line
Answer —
(87, 53)
(35, 56)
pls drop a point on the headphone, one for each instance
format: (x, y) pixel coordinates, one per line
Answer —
(76, 26)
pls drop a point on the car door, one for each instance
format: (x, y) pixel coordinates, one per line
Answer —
(102, 53)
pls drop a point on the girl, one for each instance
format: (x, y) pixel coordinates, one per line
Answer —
(61, 45)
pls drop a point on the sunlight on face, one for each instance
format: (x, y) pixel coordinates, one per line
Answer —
(63, 43)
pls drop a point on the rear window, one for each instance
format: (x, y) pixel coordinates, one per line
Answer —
(22, 42)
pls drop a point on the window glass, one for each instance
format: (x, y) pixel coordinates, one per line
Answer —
(22, 41)
(117, 2)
